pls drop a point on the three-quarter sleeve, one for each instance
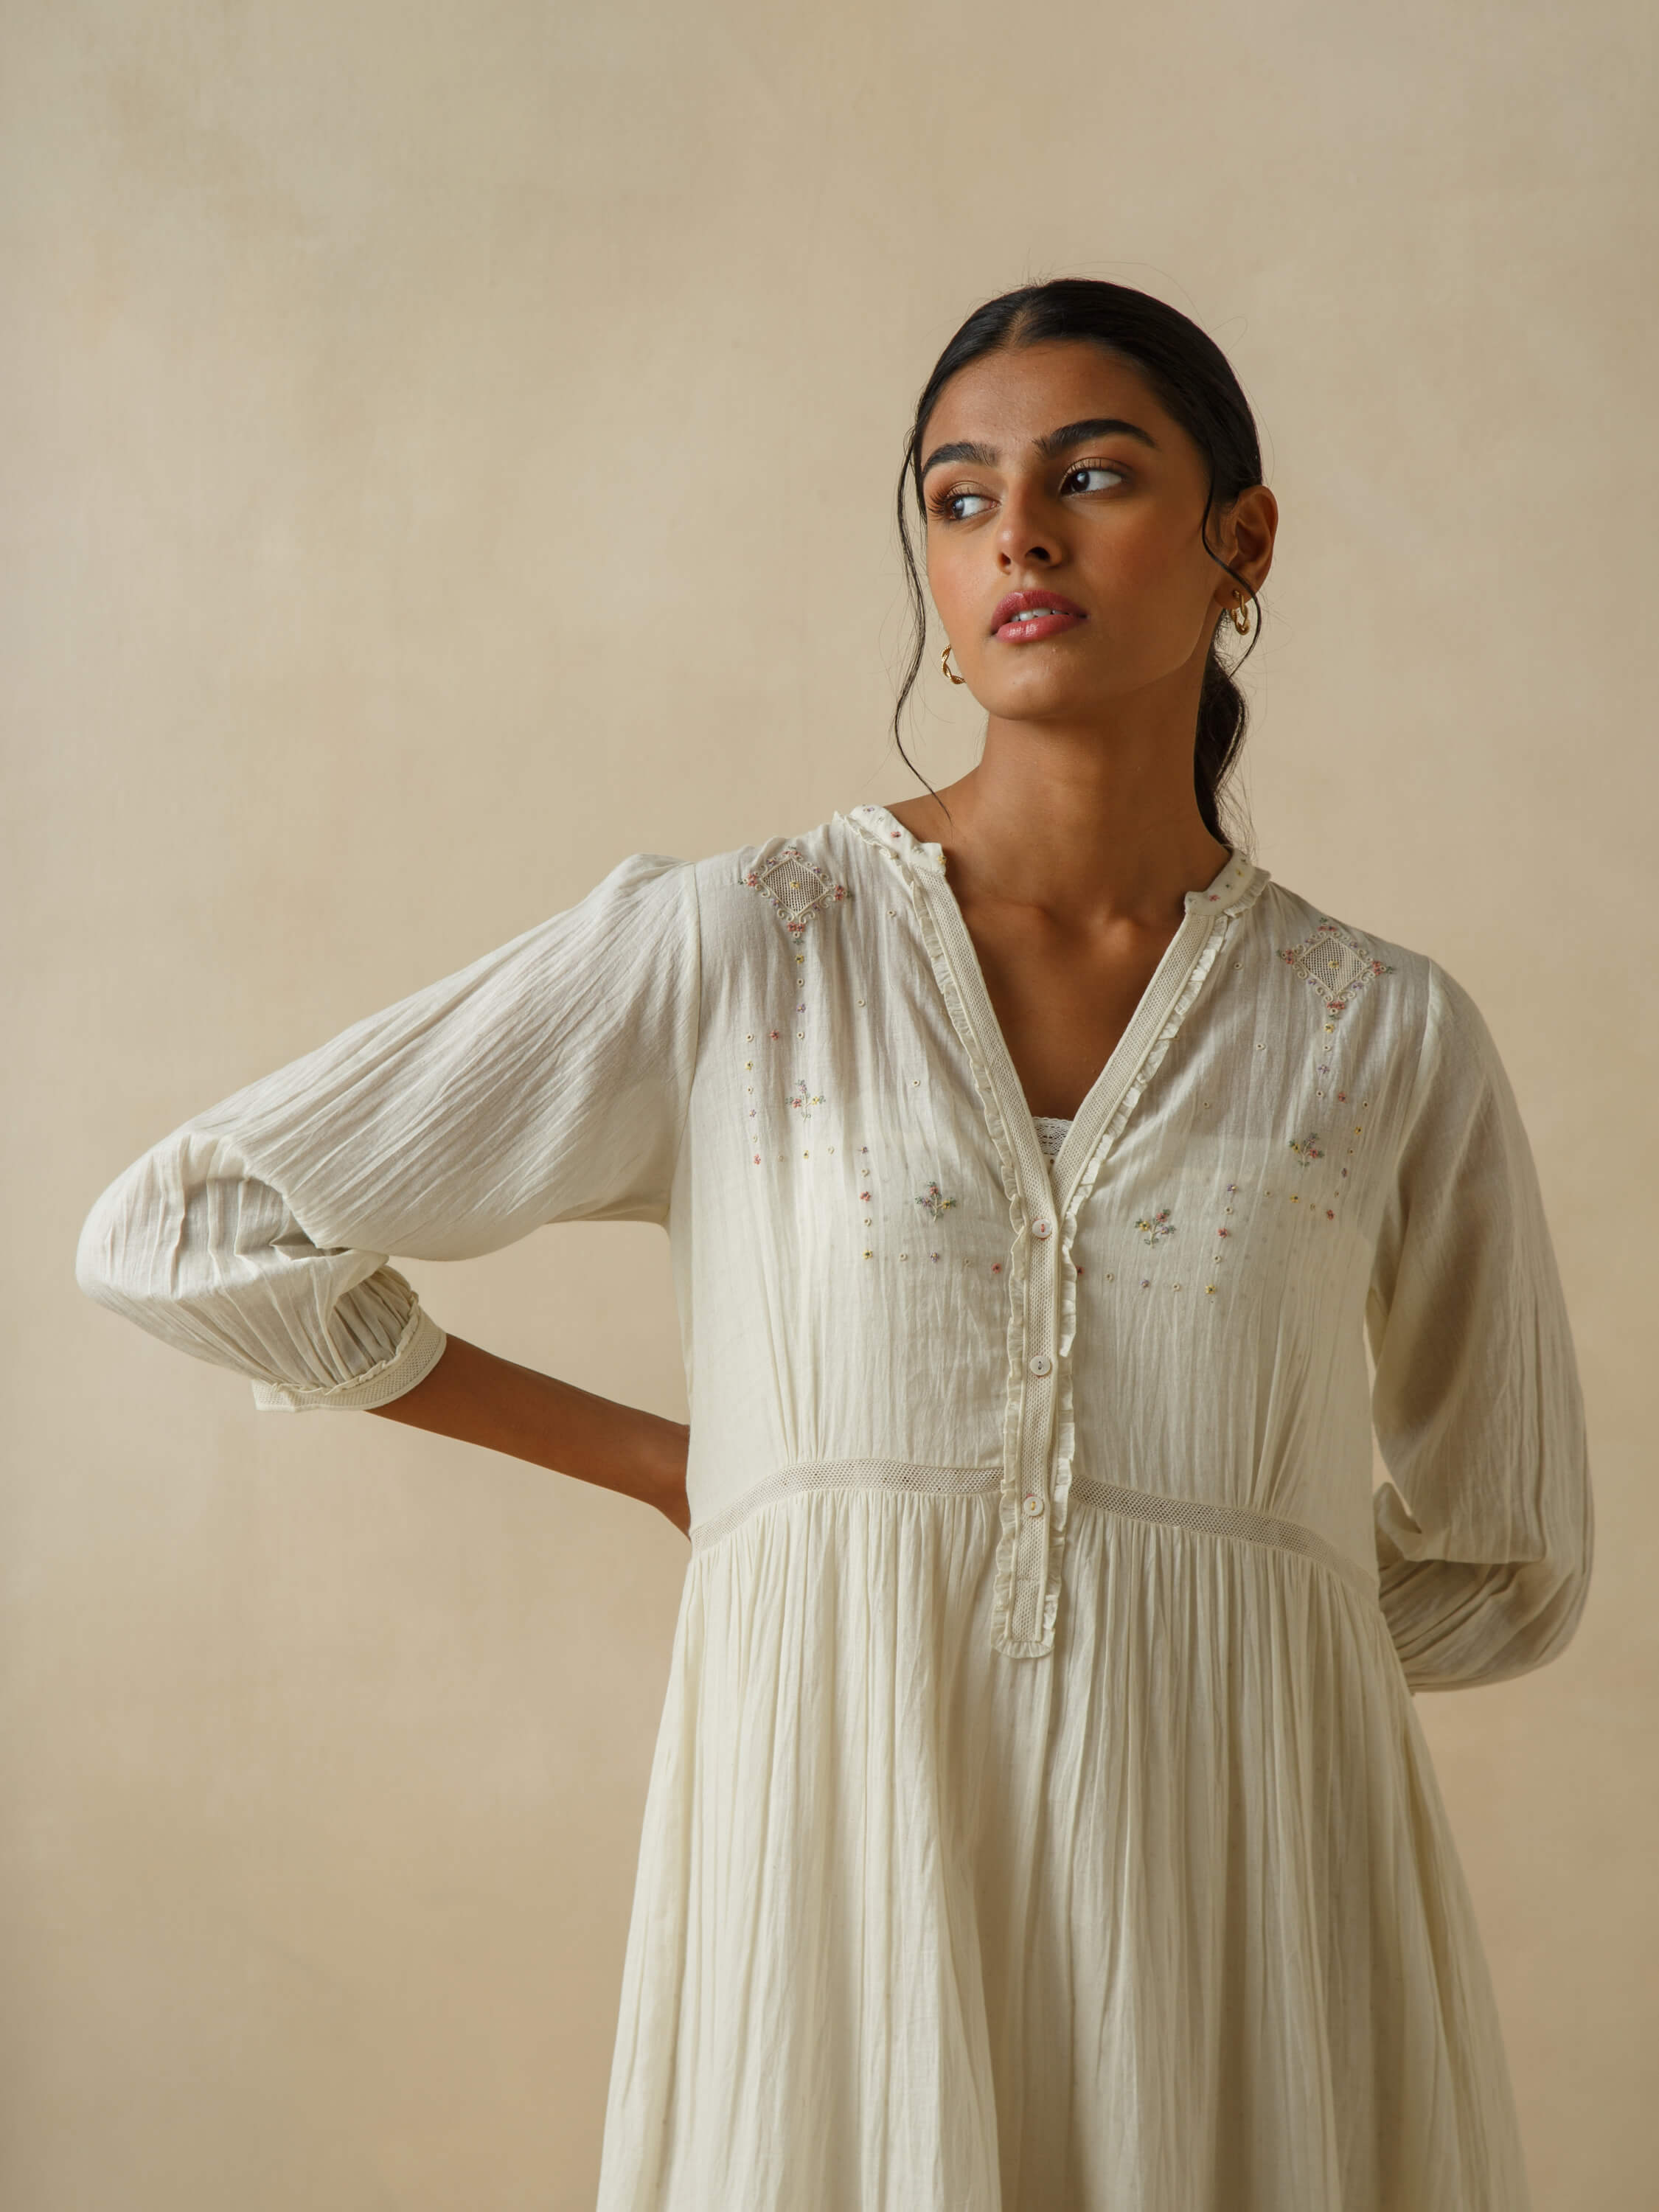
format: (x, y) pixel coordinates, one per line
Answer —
(547, 1081)
(1485, 1530)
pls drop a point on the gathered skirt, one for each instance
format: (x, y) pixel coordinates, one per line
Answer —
(1169, 1920)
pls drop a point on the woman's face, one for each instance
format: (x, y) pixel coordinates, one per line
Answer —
(1051, 470)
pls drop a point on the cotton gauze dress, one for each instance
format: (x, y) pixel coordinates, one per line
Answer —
(1040, 1820)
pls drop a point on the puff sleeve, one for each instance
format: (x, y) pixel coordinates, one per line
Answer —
(1485, 1530)
(547, 1081)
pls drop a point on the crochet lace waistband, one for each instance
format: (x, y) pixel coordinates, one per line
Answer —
(915, 1479)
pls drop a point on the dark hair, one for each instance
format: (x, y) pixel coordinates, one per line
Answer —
(1195, 382)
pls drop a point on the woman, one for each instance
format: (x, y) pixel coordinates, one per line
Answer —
(1040, 1818)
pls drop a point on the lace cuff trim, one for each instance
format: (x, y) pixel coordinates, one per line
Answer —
(419, 1350)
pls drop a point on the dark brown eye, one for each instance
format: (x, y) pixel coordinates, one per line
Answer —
(948, 505)
(1093, 469)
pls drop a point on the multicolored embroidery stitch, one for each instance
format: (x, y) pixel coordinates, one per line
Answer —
(1335, 962)
(796, 887)
(932, 1201)
(1154, 1228)
(1307, 1148)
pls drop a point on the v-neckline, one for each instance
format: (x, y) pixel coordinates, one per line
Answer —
(1234, 883)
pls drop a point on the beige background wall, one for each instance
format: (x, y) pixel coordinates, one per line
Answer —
(449, 448)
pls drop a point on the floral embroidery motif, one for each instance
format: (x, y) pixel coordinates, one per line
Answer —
(805, 1100)
(1156, 1227)
(796, 887)
(933, 1202)
(1335, 962)
(1307, 1148)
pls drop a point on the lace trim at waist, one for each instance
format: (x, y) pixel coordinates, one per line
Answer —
(915, 1479)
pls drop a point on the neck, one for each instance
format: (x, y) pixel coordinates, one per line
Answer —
(1083, 828)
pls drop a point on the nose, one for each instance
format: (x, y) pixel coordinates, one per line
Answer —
(1018, 552)
(1024, 540)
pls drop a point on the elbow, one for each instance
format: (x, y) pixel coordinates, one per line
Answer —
(1551, 1622)
(135, 1243)
(1559, 1583)
(104, 1254)
(1460, 1627)
(1569, 1594)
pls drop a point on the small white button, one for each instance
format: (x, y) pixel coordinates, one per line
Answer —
(1043, 1229)
(1041, 1364)
(1033, 1506)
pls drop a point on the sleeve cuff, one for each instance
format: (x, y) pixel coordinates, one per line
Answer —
(419, 1349)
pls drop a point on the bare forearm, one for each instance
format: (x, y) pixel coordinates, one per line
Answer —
(483, 1399)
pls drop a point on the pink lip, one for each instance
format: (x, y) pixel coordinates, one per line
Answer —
(1011, 625)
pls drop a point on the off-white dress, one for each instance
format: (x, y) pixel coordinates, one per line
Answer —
(1040, 1819)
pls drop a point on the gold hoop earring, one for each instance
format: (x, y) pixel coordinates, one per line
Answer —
(944, 667)
(1233, 614)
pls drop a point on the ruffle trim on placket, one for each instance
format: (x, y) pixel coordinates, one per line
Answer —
(906, 849)
(985, 1084)
(1150, 1060)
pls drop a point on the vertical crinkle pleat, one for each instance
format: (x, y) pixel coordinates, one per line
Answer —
(804, 1873)
(1254, 1931)
(1174, 1922)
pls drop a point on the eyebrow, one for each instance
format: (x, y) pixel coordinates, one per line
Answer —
(1056, 442)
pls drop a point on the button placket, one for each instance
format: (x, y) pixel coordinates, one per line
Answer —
(1032, 1422)
(1031, 1547)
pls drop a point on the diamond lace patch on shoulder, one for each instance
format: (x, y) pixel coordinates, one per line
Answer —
(796, 887)
(1335, 962)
